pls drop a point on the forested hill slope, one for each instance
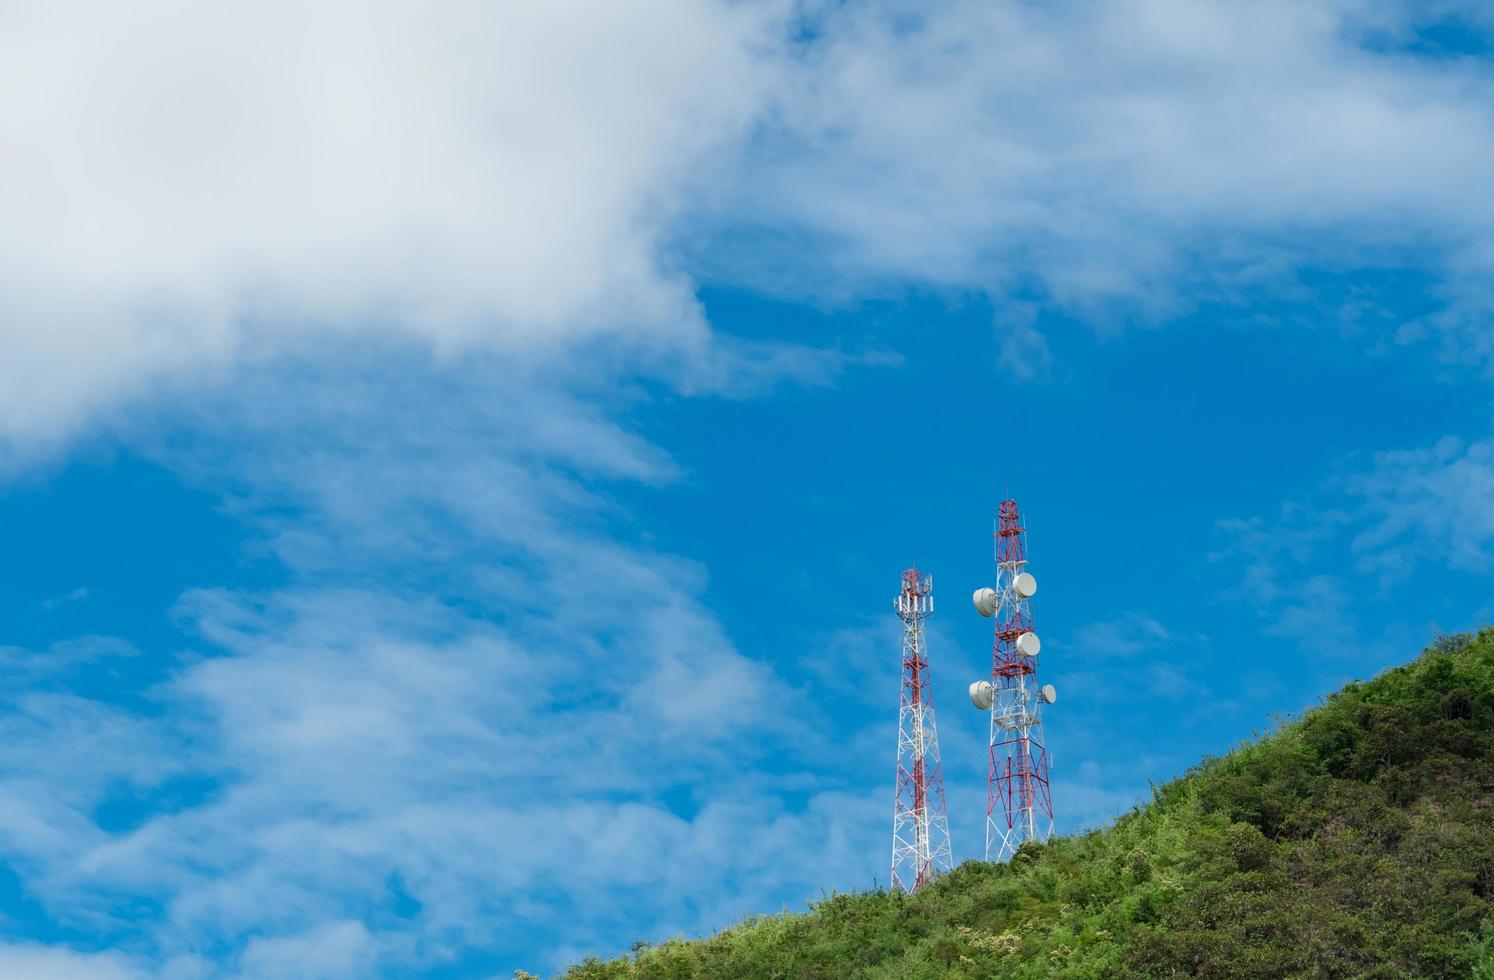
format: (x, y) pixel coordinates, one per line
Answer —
(1357, 842)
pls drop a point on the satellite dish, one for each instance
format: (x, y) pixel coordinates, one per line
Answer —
(1025, 585)
(1050, 693)
(986, 601)
(983, 695)
(1028, 644)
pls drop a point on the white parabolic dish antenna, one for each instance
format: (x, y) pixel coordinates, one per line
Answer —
(986, 601)
(1050, 694)
(1025, 585)
(1028, 644)
(982, 694)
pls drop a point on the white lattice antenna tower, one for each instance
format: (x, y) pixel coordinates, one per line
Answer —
(920, 824)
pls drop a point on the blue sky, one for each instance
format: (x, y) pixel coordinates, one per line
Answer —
(456, 461)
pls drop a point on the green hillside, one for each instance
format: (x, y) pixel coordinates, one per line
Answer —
(1356, 842)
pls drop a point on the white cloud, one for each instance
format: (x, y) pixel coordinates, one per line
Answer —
(1101, 670)
(1420, 504)
(33, 961)
(1120, 637)
(1316, 611)
(473, 716)
(1089, 797)
(1088, 145)
(185, 187)
(188, 188)
(1023, 349)
(860, 663)
(1309, 609)
(1395, 514)
(329, 950)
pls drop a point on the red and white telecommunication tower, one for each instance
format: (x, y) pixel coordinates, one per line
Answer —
(920, 824)
(1018, 805)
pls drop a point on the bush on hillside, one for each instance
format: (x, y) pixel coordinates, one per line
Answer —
(1356, 842)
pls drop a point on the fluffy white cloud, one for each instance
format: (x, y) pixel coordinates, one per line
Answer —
(185, 187)
(472, 718)
(1128, 160)
(1088, 151)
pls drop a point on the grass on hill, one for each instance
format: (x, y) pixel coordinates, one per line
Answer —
(1355, 842)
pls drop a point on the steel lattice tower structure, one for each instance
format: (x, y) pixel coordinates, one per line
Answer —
(1018, 805)
(920, 824)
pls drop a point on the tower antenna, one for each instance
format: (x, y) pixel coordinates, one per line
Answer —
(920, 824)
(1019, 807)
